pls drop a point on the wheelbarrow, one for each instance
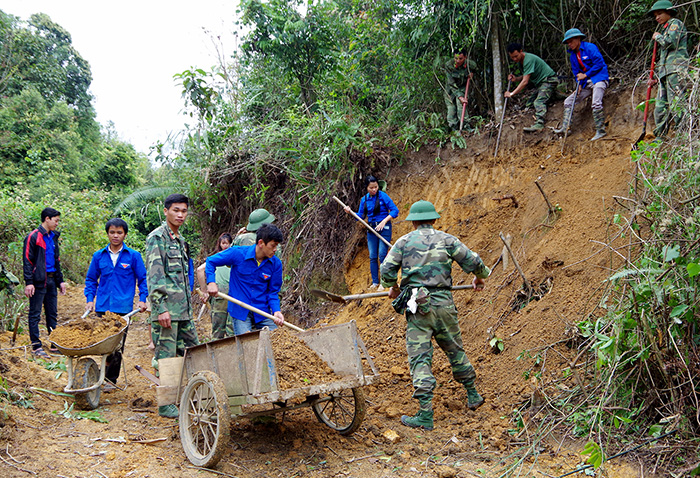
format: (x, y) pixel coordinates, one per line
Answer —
(85, 377)
(218, 378)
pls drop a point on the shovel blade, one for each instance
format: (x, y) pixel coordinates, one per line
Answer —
(328, 296)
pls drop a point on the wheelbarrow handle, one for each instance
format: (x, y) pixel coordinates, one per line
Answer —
(257, 311)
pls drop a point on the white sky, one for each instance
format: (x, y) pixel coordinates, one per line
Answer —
(134, 48)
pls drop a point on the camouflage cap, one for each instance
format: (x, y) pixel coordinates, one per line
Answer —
(257, 218)
(422, 211)
(663, 5)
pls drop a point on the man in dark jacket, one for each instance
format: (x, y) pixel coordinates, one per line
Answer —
(42, 276)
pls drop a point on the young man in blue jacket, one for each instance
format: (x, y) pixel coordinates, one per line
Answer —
(43, 278)
(591, 74)
(256, 279)
(111, 282)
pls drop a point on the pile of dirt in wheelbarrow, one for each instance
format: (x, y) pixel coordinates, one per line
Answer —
(80, 333)
(297, 365)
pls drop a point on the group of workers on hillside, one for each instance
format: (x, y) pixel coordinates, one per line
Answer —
(591, 74)
(248, 268)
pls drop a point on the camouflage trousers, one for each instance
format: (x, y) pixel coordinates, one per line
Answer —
(454, 112)
(669, 96)
(221, 322)
(442, 324)
(541, 96)
(172, 342)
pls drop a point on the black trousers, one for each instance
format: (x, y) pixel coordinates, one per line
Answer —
(48, 298)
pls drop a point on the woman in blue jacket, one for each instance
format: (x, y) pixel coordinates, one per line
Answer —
(378, 209)
(591, 74)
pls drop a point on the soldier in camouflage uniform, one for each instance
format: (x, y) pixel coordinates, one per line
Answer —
(457, 71)
(425, 258)
(167, 263)
(538, 74)
(246, 236)
(672, 60)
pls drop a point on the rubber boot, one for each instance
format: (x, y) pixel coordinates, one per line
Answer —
(537, 126)
(168, 411)
(422, 419)
(565, 122)
(599, 121)
(474, 400)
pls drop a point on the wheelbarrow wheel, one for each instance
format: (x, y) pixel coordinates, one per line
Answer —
(205, 419)
(342, 411)
(87, 373)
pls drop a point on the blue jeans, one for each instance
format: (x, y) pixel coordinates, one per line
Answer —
(48, 297)
(247, 325)
(377, 250)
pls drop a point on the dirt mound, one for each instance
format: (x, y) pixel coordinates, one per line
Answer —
(570, 250)
(297, 365)
(80, 333)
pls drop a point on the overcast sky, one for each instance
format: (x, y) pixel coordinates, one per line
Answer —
(134, 48)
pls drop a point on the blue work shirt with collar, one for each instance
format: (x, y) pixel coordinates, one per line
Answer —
(386, 207)
(255, 284)
(50, 252)
(115, 285)
(596, 69)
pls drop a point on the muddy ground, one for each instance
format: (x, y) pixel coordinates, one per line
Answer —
(566, 255)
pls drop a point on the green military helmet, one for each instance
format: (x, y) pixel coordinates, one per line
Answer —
(257, 218)
(422, 211)
(663, 5)
(572, 33)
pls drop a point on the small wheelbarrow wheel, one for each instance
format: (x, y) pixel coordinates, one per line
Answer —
(205, 419)
(87, 373)
(343, 411)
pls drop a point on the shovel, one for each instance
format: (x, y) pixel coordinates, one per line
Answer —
(571, 116)
(370, 228)
(343, 299)
(464, 105)
(500, 127)
(257, 311)
(646, 104)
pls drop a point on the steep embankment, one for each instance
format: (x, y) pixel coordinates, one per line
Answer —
(566, 255)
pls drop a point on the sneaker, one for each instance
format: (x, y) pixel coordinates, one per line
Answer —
(535, 127)
(41, 354)
(474, 400)
(374, 286)
(168, 411)
(54, 351)
(597, 136)
(423, 419)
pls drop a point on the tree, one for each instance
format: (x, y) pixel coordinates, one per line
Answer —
(302, 44)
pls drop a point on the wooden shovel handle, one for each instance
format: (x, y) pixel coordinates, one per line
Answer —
(257, 311)
(386, 293)
(370, 228)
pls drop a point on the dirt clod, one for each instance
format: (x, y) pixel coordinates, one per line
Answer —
(297, 365)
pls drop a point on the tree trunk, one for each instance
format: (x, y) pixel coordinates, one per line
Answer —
(496, 56)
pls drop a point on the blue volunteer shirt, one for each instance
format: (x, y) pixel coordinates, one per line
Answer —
(114, 286)
(50, 252)
(595, 67)
(256, 285)
(386, 207)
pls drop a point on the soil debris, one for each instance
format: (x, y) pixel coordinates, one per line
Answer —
(81, 333)
(297, 365)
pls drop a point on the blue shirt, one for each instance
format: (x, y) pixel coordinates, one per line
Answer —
(115, 286)
(50, 252)
(596, 69)
(386, 207)
(256, 285)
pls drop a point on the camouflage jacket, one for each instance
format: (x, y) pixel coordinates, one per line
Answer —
(245, 239)
(456, 78)
(425, 258)
(673, 48)
(168, 265)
